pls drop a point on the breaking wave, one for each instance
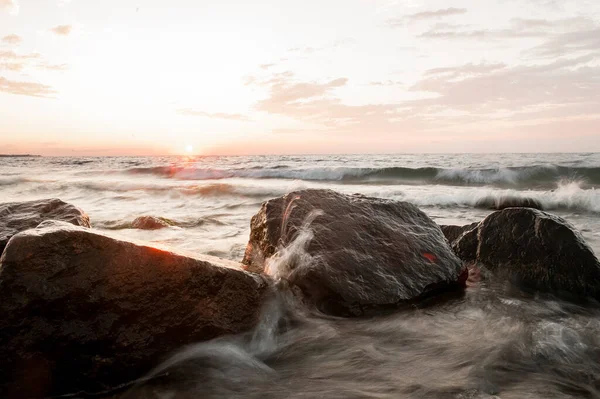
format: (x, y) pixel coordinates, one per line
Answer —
(567, 196)
(531, 176)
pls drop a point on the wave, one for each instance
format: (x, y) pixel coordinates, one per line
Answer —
(131, 187)
(567, 197)
(130, 223)
(529, 176)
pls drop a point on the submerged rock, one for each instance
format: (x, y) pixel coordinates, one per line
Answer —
(535, 249)
(348, 254)
(508, 201)
(150, 223)
(20, 216)
(80, 311)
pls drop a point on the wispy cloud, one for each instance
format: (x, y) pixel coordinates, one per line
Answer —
(576, 42)
(52, 67)
(266, 66)
(12, 66)
(11, 5)
(385, 83)
(518, 28)
(11, 55)
(12, 39)
(63, 30)
(563, 82)
(426, 15)
(214, 115)
(32, 89)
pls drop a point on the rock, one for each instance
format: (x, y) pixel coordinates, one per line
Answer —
(465, 245)
(534, 249)
(349, 254)
(19, 216)
(453, 232)
(150, 223)
(508, 201)
(83, 312)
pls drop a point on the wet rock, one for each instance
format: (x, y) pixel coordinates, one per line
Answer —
(534, 249)
(452, 232)
(508, 201)
(20, 216)
(83, 312)
(150, 223)
(349, 254)
(465, 246)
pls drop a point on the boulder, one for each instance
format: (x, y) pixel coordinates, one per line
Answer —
(83, 312)
(536, 250)
(150, 223)
(19, 216)
(508, 201)
(452, 232)
(348, 253)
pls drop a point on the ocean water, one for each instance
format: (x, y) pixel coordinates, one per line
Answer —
(494, 341)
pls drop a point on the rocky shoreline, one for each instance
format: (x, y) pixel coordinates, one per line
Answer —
(83, 313)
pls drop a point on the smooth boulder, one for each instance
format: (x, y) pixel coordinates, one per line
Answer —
(83, 312)
(20, 216)
(536, 250)
(348, 254)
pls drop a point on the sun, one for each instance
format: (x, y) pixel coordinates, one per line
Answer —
(189, 148)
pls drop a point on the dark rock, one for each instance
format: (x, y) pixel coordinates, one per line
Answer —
(534, 249)
(453, 232)
(150, 223)
(465, 245)
(508, 201)
(349, 254)
(80, 311)
(20, 216)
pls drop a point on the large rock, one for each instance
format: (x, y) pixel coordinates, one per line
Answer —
(80, 311)
(452, 232)
(348, 254)
(20, 216)
(534, 249)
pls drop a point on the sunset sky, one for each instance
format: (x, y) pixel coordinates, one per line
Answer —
(82, 77)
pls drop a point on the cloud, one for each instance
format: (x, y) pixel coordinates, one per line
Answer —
(11, 5)
(25, 88)
(63, 30)
(426, 15)
(385, 83)
(12, 61)
(12, 39)
(315, 103)
(12, 66)
(266, 66)
(446, 12)
(575, 42)
(214, 115)
(467, 69)
(516, 89)
(517, 29)
(306, 50)
(284, 93)
(11, 55)
(53, 67)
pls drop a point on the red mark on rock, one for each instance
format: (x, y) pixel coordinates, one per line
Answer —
(431, 257)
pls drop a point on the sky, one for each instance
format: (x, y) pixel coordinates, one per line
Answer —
(119, 77)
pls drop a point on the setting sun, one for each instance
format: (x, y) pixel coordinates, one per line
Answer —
(189, 148)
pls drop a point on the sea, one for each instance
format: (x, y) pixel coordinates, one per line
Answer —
(495, 341)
